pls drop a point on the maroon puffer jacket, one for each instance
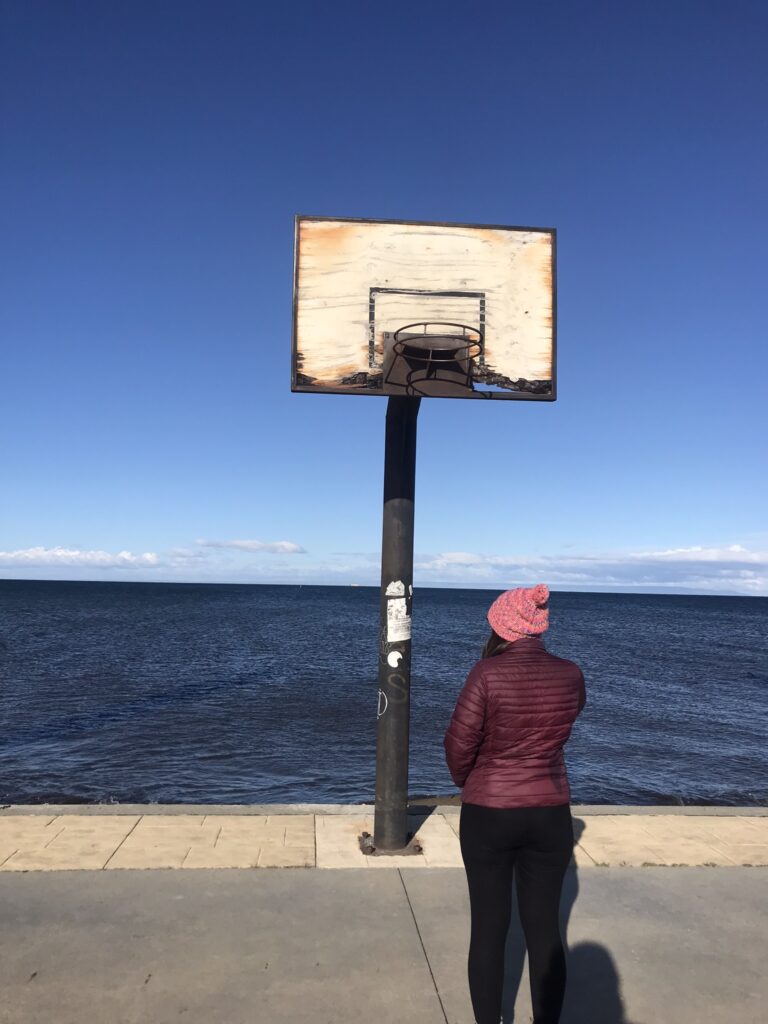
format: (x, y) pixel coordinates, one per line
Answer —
(504, 745)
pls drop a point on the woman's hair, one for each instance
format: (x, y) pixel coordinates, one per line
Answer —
(495, 644)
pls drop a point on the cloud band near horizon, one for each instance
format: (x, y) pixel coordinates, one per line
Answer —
(278, 547)
(730, 569)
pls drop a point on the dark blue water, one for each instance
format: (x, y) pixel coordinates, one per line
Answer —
(240, 694)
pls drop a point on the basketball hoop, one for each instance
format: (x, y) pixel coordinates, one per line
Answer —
(428, 356)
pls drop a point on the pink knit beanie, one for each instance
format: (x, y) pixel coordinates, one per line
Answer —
(520, 612)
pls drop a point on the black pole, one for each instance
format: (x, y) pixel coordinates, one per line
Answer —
(390, 829)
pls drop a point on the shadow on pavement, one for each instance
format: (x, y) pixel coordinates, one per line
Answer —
(593, 988)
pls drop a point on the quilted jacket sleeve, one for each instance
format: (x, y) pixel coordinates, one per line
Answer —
(466, 730)
(582, 693)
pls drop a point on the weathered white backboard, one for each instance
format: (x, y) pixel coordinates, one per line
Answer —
(442, 310)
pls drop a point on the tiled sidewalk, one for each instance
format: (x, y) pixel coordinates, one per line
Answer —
(95, 841)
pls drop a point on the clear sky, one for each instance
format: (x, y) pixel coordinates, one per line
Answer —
(154, 155)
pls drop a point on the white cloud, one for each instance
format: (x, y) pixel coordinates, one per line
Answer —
(278, 547)
(192, 563)
(77, 557)
(730, 569)
(735, 552)
(186, 556)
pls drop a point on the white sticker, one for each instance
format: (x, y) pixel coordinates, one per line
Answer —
(394, 658)
(398, 620)
(396, 589)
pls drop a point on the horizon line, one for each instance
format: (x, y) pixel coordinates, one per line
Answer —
(627, 591)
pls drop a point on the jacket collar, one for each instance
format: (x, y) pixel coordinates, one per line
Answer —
(526, 643)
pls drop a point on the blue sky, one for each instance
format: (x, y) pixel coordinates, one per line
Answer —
(154, 157)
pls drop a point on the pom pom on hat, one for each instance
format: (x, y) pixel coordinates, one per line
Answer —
(520, 612)
(539, 594)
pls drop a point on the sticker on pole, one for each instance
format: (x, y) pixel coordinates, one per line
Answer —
(398, 620)
(396, 589)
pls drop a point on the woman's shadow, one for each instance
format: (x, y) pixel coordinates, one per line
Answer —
(593, 988)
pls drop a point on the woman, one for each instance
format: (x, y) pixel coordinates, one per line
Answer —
(504, 750)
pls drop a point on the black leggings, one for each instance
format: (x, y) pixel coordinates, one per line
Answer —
(539, 842)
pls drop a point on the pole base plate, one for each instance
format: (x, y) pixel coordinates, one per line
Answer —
(412, 847)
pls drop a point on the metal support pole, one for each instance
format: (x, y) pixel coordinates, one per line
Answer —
(390, 829)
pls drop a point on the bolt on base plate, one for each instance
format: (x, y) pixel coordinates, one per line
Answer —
(412, 847)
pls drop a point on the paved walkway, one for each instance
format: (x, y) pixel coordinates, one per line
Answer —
(83, 941)
(59, 838)
(646, 945)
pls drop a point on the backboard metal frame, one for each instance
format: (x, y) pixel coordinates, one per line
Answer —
(373, 292)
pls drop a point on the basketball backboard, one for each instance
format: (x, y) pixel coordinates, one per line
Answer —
(411, 308)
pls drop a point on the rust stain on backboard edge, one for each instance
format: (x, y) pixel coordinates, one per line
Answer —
(327, 238)
(546, 271)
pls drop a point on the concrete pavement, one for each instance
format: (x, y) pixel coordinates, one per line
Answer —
(322, 836)
(646, 945)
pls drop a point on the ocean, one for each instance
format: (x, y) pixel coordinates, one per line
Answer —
(199, 693)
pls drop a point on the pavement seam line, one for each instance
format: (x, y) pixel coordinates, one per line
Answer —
(418, 932)
(46, 845)
(128, 833)
(585, 852)
(721, 853)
